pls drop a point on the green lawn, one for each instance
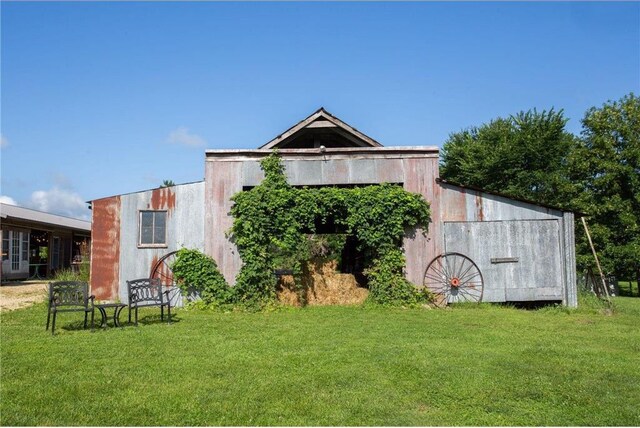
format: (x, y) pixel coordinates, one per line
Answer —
(468, 365)
(628, 288)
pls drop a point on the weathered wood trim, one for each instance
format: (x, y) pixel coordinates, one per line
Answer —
(571, 286)
(328, 153)
(322, 124)
(327, 118)
(349, 136)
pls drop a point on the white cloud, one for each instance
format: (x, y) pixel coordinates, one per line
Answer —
(4, 143)
(8, 200)
(59, 201)
(183, 137)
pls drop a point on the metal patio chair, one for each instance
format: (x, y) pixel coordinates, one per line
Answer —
(69, 296)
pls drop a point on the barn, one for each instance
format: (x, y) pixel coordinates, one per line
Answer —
(522, 251)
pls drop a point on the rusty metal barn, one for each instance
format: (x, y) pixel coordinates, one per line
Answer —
(523, 251)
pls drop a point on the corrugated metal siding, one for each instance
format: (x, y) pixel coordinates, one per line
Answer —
(223, 180)
(466, 205)
(105, 247)
(460, 204)
(536, 244)
(319, 171)
(185, 224)
(420, 177)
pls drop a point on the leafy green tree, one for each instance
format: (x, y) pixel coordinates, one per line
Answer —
(524, 156)
(167, 183)
(606, 167)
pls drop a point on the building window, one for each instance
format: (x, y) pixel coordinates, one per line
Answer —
(153, 228)
(5, 245)
(15, 251)
(25, 246)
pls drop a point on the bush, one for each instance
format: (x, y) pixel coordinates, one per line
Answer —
(82, 274)
(388, 286)
(194, 270)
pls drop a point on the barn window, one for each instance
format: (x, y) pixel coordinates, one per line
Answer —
(153, 228)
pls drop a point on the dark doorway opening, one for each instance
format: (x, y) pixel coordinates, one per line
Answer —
(351, 259)
(39, 254)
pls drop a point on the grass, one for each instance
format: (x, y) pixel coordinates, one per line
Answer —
(628, 288)
(468, 365)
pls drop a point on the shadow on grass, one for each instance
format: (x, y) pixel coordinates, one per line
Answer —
(146, 319)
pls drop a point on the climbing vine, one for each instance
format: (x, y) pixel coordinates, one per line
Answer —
(195, 271)
(272, 222)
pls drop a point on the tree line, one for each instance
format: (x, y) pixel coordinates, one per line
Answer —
(531, 155)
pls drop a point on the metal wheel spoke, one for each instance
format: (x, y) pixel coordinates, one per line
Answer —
(443, 269)
(436, 278)
(470, 276)
(436, 271)
(459, 268)
(454, 278)
(463, 274)
(162, 268)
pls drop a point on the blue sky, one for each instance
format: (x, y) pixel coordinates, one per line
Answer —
(107, 98)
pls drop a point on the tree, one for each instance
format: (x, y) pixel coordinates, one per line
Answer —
(606, 166)
(167, 183)
(523, 156)
(530, 155)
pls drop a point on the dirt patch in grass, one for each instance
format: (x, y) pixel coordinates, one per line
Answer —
(16, 295)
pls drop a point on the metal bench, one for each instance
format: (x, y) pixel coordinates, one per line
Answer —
(69, 296)
(147, 292)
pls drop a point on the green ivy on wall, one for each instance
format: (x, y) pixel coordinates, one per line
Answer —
(272, 222)
(195, 271)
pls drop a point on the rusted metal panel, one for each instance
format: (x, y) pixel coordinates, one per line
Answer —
(224, 177)
(453, 203)
(461, 204)
(222, 181)
(420, 177)
(163, 199)
(105, 248)
(535, 244)
(494, 207)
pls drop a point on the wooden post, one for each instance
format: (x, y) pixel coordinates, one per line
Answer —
(593, 250)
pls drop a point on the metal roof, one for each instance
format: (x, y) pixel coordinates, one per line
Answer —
(504, 195)
(143, 191)
(12, 212)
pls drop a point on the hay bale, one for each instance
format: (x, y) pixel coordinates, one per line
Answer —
(322, 285)
(286, 292)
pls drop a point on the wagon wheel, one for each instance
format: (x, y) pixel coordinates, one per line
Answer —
(454, 278)
(162, 269)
